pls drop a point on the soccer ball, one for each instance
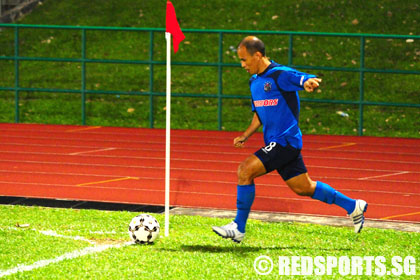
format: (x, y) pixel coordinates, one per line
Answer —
(144, 229)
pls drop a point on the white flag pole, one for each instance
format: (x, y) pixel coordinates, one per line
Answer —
(168, 130)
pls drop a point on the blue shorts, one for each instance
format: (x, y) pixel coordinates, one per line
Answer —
(287, 160)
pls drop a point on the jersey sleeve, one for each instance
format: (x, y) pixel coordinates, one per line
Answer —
(293, 80)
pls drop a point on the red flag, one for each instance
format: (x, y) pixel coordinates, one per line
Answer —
(172, 26)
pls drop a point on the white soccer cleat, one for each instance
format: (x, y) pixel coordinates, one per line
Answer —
(230, 231)
(358, 215)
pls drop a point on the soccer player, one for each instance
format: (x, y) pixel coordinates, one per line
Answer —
(275, 103)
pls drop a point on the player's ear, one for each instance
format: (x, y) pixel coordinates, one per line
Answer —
(259, 55)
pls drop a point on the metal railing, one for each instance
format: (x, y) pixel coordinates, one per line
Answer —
(83, 60)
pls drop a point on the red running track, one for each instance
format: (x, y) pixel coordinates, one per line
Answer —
(127, 165)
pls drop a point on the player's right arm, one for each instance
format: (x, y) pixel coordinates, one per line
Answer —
(311, 84)
(293, 80)
(255, 124)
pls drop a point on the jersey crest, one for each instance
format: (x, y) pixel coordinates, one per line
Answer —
(267, 86)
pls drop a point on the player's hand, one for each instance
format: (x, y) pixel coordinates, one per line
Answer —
(311, 84)
(239, 142)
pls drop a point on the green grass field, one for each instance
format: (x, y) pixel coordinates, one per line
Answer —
(386, 17)
(192, 251)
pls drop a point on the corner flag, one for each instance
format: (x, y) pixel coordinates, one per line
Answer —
(172, 27)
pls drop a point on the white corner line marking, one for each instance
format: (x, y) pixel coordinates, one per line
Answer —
(54, 234)
(385, 175)
(67, 256)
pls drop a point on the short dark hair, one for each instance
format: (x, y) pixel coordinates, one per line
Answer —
(253, 45)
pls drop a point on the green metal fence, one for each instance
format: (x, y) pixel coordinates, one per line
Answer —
(83, 60)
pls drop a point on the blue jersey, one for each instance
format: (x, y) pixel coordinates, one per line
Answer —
(276, 102)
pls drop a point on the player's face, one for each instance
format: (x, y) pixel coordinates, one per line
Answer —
(249, 62)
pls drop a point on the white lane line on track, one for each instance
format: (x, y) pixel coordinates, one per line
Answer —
(319, 177)
(147, 135)
(90, 156)
(92, 151)
(384, 175)
(185, 168)
(236, 152)
(194, 159)
(81, 129)
(253, 145)
(203, 181)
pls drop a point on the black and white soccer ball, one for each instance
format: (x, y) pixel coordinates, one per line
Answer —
(144, 229)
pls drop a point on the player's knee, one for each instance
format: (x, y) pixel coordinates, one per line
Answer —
(304, 189)
(301, 191)
(244, 173)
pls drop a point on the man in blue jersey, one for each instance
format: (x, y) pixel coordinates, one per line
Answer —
(275, 103)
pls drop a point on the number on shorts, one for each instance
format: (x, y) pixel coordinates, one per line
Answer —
(269, 147)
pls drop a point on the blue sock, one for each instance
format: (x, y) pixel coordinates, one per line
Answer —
(325, 193)
(245, 198)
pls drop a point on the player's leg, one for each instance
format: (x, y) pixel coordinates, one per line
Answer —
(303, 185)
(248, 170)
(355, 208)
